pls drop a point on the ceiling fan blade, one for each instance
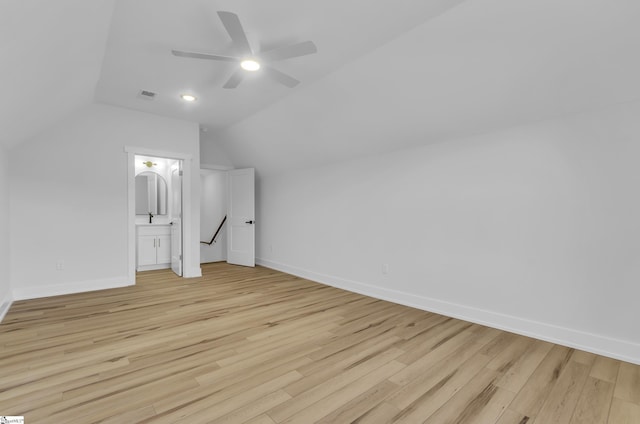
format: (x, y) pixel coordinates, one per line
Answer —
(204, 56)
(233, 26)
(281, 77)
(287, 52)
(235, 79)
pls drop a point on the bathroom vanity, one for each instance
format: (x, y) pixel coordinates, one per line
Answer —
(153, 245)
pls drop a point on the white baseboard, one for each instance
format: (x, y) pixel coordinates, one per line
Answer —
(24, 293)
(594, 343)
(5, 304)
(142, 268)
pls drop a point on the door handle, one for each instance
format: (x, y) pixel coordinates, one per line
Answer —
(249, 222)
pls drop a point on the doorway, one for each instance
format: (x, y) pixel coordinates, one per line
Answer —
(159, 212)
(213, 214)
(227, 201)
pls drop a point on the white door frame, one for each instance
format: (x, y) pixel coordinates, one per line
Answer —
(176, 172)
(187, 242)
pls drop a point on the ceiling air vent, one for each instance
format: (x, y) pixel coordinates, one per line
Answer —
(147, 95)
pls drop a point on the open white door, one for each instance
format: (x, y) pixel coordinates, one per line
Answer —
(241, 217)
(176, 218)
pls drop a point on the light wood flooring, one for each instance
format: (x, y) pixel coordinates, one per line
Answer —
(244, 345)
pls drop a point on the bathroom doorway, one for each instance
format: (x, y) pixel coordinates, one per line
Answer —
(159, 212)
(158, 208)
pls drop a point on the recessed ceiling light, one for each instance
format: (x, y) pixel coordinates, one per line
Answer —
(188, 97)
(250, 65)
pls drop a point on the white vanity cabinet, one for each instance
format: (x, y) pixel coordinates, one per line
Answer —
(153, 247)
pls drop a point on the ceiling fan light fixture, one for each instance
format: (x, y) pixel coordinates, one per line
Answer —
(188, 97)
(250, 65)
(247, 61)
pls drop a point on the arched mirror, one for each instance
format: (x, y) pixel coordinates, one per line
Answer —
(151, 194)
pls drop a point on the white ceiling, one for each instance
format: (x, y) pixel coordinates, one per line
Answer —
(143, 32)
(481, 66)
(50, 59)
(387, 73)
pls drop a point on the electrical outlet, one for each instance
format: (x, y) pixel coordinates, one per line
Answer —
(385, 269)
(60, 266)
(271, 248)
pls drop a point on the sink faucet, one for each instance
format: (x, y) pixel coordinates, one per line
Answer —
(150, 218)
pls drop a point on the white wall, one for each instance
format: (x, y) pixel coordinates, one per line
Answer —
(533, 229)
(213, 207)
(69, 198)
(5, 287)
(211, 153)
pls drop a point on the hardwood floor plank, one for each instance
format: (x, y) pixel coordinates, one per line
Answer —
(338, 398)
(433, 392)
(429, 360)
(113, 403)
(605, 369)
(537, 388)
(251, 410)
(254, 345)
(512, 417)
(583, 357)
(523, 366)
(623, 412)
(132, 416)
(261, 419)
(563, 398)
(479, 402)
(594, 403)
(507, 357)
(329, 369)
(226, 388)
(383, 413)
(432, 387)
(208, 409)
(361, 405)
(458, 330)
(320, 391)
(628, 383)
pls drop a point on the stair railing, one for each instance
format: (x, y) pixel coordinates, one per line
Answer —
(213, 239)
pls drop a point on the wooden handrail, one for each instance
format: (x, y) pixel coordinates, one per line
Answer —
(213, 239)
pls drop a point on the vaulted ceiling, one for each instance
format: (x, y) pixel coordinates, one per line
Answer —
(387, 73)
(143, 32)
(481, 66)
(50, 60)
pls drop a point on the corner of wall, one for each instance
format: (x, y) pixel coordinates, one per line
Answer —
(5, 305)
(5, 235)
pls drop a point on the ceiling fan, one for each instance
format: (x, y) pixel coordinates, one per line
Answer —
(250, 61)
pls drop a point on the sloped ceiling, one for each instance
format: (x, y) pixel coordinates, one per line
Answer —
(51, 55)
(388, 73)
(482, 65)
(138, 55)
